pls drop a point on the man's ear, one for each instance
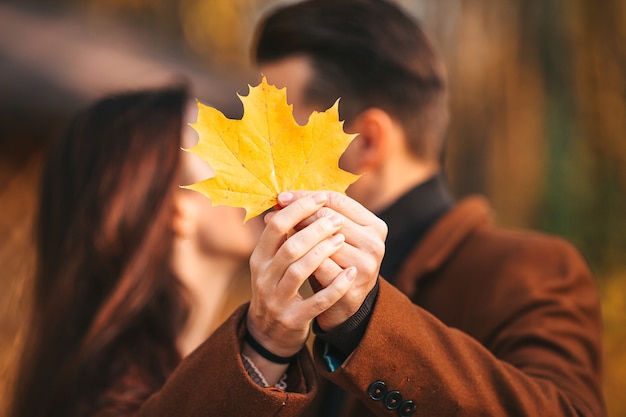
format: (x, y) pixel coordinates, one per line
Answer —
(369, 150)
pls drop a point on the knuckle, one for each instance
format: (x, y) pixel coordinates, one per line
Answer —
(278, 224)
(291, 249)
(326, 266)
(304, 204)
(380, 228)
(326, 212)
(336, 199)
(318, 251)
(379, 248)
(255, 262)
(322, 302)
(322, 226)
(370, 265)
(258, 288)
(383, 229)
(294, 271)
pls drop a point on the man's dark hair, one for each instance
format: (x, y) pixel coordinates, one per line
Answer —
(370, 54)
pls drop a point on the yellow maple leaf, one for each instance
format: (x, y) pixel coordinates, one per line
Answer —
(267, 152)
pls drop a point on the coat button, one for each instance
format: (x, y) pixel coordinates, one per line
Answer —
(407, 409)
(393, 399)
(377, 390)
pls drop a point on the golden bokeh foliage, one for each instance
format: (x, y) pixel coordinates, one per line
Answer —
(218, 29)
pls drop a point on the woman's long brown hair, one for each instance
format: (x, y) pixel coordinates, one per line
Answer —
(107, 307)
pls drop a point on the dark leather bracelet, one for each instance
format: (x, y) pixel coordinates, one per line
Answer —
(258, 348)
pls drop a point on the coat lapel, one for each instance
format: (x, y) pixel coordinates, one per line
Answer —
(441, 240)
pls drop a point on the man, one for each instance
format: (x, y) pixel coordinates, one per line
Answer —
(467, 319)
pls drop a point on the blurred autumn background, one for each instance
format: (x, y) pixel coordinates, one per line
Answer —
(538, 105)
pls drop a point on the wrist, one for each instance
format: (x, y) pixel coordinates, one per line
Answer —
(278, 343)
(351, 305)
(272, 372)
(266, 353)
(348, 335)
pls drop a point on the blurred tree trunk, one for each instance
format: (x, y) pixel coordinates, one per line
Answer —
(597, 31)
(496, 142)
(538, 101)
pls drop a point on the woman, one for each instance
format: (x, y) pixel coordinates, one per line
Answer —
(130, 277)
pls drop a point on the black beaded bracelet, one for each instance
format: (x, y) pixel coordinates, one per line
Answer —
(258, 348)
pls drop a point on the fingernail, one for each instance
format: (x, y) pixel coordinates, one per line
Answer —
(338, 239)
(351, 273)
(336, 220)
(285, 198)
(319, 198)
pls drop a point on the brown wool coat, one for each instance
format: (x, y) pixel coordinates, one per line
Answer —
(483, 322)
(213, 382)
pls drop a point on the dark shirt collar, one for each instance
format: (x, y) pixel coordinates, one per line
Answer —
(409, 218)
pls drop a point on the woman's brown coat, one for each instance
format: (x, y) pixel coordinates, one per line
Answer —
(213, 382)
